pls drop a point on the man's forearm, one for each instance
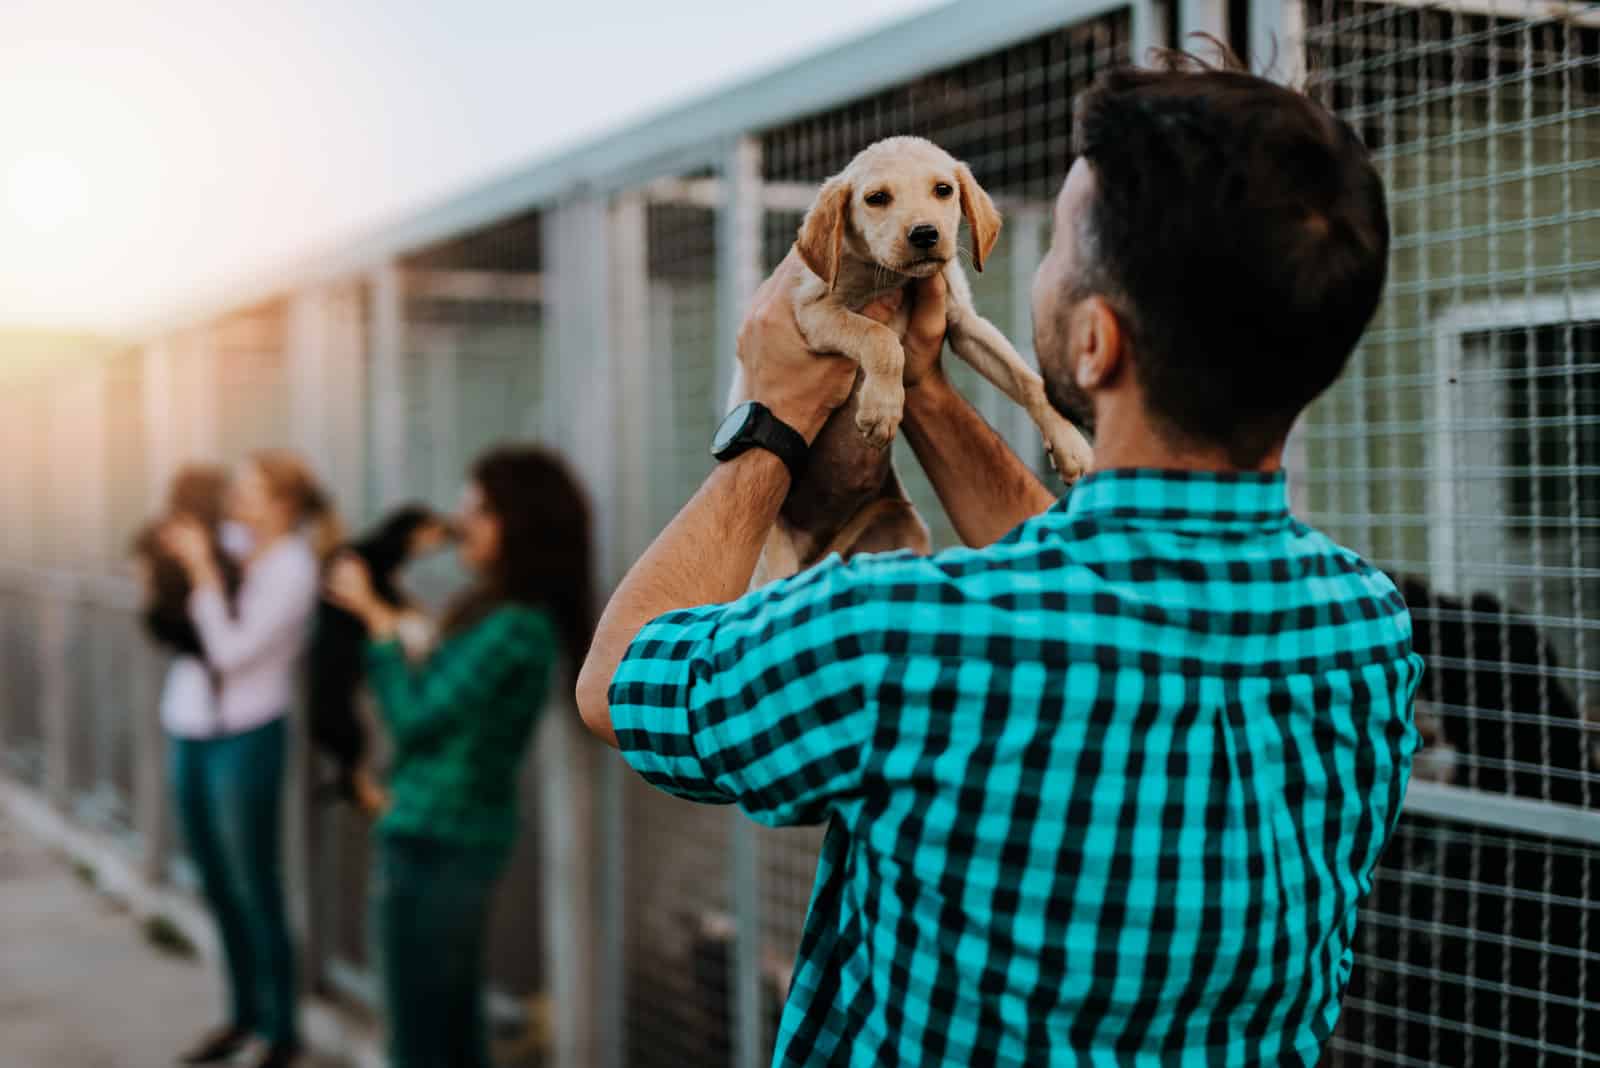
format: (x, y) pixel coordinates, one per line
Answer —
(982, 484)
(706, 555)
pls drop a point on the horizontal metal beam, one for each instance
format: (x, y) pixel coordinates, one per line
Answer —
(504, 287)
(787, 196)
(682, 139)
(1502, 811)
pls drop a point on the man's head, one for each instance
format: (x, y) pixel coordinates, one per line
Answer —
(1220, 245)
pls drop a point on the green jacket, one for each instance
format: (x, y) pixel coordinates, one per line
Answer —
(460, 724)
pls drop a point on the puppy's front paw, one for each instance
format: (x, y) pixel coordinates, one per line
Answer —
(1069, 450)
(878, 412)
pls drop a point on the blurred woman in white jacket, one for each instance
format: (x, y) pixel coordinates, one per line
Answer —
(226, 718)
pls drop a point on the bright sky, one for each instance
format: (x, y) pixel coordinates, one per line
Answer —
(153, 150)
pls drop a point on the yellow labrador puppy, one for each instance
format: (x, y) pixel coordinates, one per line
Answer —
(893, 215)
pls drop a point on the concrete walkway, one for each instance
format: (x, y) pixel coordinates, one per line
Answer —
(80, 986)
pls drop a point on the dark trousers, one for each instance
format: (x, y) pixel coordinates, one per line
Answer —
(431, 910)
(230, 794)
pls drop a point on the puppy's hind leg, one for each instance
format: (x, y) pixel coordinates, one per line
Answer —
(887, 524)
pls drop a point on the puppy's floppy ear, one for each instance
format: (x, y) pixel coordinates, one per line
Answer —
(821, 240)
(981, 215)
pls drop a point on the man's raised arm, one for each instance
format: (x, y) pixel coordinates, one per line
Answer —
(986, 489)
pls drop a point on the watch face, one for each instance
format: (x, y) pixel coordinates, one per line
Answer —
(732, 424)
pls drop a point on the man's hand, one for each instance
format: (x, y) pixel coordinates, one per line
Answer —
(801, 387)
(924, 338)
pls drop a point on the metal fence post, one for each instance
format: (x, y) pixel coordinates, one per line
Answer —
(53, 604)
(581, 411)
(194, 386)
(150, 796)
(632, 350)
(1278, 32)
(1146, 32)
(307, 355)
(441, 360)
(160, 452)
(739, 231)
(739, 260)
(343, 373)
(1204, 16)
(150, 799)
(388, 385)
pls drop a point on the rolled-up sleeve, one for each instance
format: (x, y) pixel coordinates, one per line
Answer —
(767, 702)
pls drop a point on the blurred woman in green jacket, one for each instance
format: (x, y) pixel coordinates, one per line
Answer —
(460, 724)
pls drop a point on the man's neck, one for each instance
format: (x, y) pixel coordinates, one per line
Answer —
(1128, 440)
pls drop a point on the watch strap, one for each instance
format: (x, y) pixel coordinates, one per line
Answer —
(769, 432)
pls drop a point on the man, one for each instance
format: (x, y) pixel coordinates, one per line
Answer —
(1108, 786)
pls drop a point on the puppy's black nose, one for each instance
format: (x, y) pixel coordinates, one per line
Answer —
(923, 236)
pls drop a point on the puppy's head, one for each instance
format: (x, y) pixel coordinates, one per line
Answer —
(898, 205)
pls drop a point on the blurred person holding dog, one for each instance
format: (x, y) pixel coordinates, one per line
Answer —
(460, 722)
(1109, 784)
(225, 707)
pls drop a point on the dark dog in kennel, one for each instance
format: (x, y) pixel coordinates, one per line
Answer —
(336, 663)
(198, 494)
(1473, 941)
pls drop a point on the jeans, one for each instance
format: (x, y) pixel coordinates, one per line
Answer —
(431, 910)
(230, 794)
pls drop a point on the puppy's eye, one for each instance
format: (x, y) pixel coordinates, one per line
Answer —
(943, 190)
(878, 199)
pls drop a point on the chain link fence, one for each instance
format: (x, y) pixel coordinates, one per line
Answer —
(1462, 453)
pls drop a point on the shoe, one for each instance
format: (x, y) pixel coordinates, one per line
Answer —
(279, 1055)
(218, 1046)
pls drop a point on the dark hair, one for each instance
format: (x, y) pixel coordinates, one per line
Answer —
(1239, 231)
(545, 547)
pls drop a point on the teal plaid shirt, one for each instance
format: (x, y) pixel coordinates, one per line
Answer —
(460, 724)
(1106, 792)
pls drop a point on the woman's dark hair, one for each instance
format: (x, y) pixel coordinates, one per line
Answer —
(546, 556)
(1239, 230)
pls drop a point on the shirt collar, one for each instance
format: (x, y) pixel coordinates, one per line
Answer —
(1210, 499)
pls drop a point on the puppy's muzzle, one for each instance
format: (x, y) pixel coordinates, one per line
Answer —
(923, 237)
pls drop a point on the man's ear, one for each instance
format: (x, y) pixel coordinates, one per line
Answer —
(1099, 342)
(821, 240)
(982, 217)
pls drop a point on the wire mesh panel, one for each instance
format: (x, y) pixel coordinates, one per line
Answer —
(23, 427)
(678, 935)
(106, 706)
(127, 489)
(1461, 452)
(1008, 115)
(474, 328)
(23, 752)
(469, 337)
(250, 376)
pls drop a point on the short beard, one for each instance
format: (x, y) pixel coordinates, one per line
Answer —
(1060, 389)
(1070, 401)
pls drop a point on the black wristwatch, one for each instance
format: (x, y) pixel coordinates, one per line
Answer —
(753, 426)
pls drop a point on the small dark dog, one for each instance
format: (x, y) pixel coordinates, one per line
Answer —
(336, 662)
(197, 494)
